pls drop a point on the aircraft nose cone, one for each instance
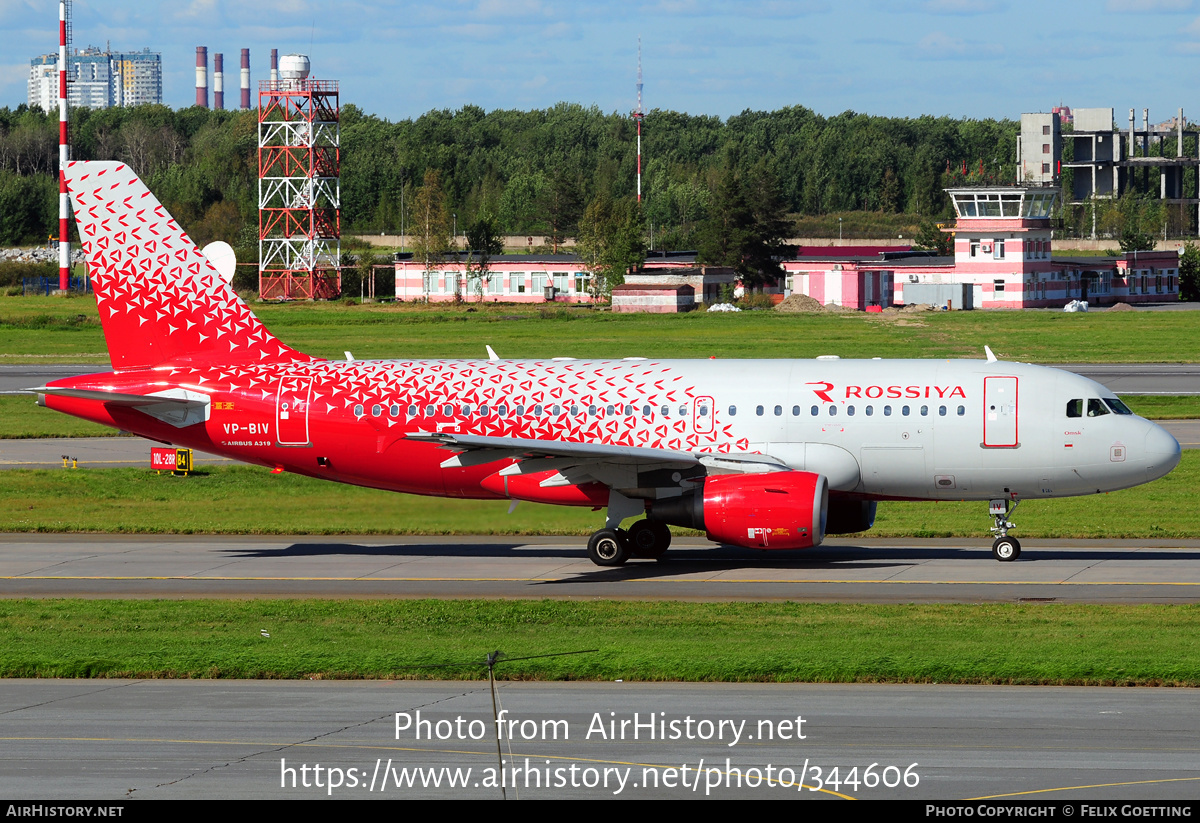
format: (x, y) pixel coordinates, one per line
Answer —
(1162, 452)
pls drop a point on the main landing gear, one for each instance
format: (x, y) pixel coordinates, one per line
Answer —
(613, 547)
(1005, 548)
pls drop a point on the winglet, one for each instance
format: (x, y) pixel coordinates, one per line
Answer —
(991, 358)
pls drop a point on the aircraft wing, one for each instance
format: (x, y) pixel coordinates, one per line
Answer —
(477, 449)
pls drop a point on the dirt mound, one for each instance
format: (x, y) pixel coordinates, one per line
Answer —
(1120, 307)
(913, 308)
(799, 304)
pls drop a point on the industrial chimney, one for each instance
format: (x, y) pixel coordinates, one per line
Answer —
(245, 79)
(219, 81)
(202, 76)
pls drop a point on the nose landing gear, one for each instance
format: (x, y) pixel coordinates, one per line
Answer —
(1005, 548)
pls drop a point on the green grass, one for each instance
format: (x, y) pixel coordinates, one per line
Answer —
(57, 329)
(1157, 407)
(792, 642)
(248, 500)
(21, 417)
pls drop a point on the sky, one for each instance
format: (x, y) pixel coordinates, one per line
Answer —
(905, 58)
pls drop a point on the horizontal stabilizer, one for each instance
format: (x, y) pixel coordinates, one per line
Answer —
(177, 407)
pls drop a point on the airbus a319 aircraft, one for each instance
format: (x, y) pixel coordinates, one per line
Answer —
(767, 454)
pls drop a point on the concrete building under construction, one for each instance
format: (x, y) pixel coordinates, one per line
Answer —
(1098, 162)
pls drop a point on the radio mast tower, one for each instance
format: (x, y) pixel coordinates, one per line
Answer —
(638, 113)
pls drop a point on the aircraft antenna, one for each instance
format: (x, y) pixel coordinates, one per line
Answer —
(638, 114)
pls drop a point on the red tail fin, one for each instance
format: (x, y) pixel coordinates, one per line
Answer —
(160, 300)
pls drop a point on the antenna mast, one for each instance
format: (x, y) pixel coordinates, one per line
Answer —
(64, 152)
(638, 113)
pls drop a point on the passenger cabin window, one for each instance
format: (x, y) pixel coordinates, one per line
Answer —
(757, 410)
(815, 409)
(795, 411)
(962, 410)
(1075, 408)
(412, 411)
(1096, 408)
(394, 410)
(778, 411)
(732, 411)
(358, 410)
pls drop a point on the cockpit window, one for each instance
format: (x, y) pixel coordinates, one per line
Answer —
(1096, 408)
(1117, 406)
(1074, 408)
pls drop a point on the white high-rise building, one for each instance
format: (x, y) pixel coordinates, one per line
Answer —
(99, 79)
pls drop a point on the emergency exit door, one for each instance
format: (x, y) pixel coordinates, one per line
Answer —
(1000, 412)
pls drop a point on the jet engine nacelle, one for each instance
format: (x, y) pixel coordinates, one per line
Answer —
(781, 510)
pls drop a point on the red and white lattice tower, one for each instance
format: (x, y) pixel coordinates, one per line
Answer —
(299, 185)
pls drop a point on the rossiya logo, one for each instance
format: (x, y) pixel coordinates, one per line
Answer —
(892, 392)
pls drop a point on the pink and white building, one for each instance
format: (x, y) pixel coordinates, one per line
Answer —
(517, 278)
(1002, 251)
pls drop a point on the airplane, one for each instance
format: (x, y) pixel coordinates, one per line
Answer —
(766, 454)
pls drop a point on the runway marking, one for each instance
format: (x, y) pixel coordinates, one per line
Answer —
(1093, 786)
(487, 754)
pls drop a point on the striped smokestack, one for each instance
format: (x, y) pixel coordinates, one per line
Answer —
(274, 68)
(218, 81)
(202, 76)
(245, 79)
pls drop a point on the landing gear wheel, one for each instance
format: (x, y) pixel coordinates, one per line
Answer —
(1006, 549)
(608, 547)
(649, 539)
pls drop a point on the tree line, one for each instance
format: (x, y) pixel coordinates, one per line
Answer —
(722, 186)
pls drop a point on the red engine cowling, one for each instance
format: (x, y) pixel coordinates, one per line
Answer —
(781, 510)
